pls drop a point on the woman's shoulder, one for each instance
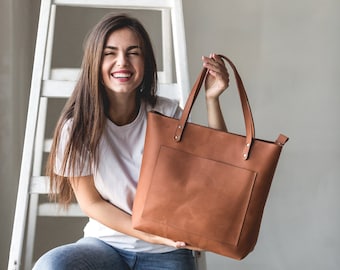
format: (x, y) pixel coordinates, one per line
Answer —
(66, 125)
(166, 106)
(64, 130)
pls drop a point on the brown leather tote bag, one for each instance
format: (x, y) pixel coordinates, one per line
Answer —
(202, 186)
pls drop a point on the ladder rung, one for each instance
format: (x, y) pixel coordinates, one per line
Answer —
(129, 4)
(57, 89)
(47, 145)
(54, 210)
(39, 185)
(72, 74)
(65, 74)
(169, 90)
(63, 89)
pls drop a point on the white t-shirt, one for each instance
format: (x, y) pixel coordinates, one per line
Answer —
(120, 156)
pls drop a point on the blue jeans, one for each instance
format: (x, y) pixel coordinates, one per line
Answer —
(93, 254)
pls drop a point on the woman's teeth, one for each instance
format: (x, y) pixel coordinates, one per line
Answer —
(121, 75)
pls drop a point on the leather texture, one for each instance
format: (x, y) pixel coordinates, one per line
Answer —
(202, 186)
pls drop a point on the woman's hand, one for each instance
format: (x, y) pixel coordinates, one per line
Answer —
(154, 239)
(217, 79)
(216, 82)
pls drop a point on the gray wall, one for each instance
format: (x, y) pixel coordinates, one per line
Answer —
(16, 47)
(287, 54)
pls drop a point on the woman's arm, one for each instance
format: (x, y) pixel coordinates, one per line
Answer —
(94, 206)
(216, 82)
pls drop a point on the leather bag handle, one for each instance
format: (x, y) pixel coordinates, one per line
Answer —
(248, 117)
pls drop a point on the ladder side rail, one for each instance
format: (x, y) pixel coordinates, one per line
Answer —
(39, 146)
(30, 235)
(200, 260)
(167, 47)
(18, 231)
(49, 46)
(34, 198)
(180, 51)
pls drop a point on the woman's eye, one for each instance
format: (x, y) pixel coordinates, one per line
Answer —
(133, 53)
(108, 53)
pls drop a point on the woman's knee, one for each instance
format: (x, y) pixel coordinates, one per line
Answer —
(87, 253)
(55, 259)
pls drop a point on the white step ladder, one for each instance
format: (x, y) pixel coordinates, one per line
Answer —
(50, 83)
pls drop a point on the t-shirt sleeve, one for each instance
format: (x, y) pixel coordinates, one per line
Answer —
(64, 138)
(168, 107)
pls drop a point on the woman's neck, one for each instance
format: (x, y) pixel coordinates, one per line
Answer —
(123, 111)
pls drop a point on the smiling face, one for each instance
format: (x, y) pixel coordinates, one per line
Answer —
(122, 62)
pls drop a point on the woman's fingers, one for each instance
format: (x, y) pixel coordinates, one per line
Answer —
(218, 78)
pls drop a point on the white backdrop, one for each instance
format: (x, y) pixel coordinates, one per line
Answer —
(287, 54)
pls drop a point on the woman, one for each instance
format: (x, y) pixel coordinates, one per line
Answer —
(98, 145)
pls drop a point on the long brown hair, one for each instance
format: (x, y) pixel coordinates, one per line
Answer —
(88, 105)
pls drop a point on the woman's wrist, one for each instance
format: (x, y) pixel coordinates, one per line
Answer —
(212, 100)
(215, 116)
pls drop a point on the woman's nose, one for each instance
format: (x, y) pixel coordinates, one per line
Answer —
(122, 60)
